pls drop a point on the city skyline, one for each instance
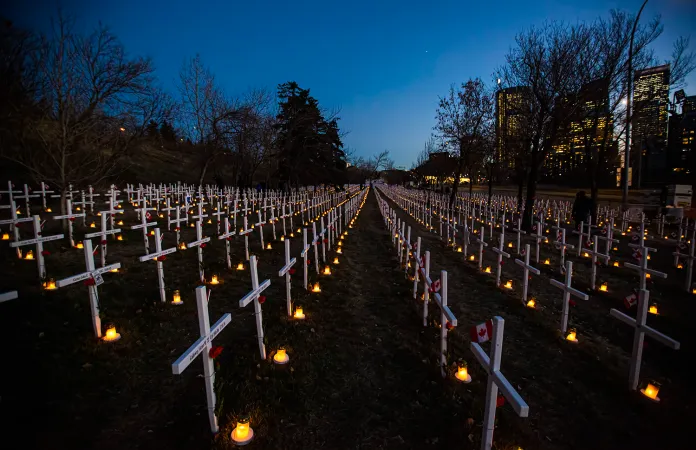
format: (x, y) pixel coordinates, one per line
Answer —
(383, 65)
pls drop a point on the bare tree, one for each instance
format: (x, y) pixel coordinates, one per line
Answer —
(464, 116)
(82, 87)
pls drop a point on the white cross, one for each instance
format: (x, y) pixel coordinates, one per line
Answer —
(496, 380)
(43, 194)
(596, 254)
(253, 296)
(314, 243)
(526, 269)
(416, 270)
(38, 240)
(499, 251)
(169, 209)
(260, 224)
(641, 329)
(538, 237)
(567, 292)
(519, 231)
(481, 244)
(179, 219)
(92, 278)
(643, 270)
(305, 250)
(70, 216)
(425, 276)
(285, 271)
(102, 234)
(217, 214)
(158, 257)
(202, 347)
(144, 224)
(7, 296)
(689, 261)
(582, 236)
(198, 243)
(26, 198)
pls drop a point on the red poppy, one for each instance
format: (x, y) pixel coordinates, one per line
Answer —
(161, 258)
(500, 401)
(292, 271)
(203, 245)
(449, 326)
(90, 282)
(72, 219)
(572, 302)
(326, 241)
(229, 238)
(262, 299)
(214, 352)
(45, 253)
(177, 229)
(103, 242)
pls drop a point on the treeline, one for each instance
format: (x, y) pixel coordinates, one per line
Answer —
(558, 81)
(74, 108)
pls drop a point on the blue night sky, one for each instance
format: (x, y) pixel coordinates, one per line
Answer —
(384, 63)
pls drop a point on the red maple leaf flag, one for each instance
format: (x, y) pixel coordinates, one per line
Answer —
(482, 332)
(148, 216)
(630, 300)
(435, 287)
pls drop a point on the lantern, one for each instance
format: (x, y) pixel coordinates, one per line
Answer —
(531, 303)
(119, 237)
(29, 255)
(5, 236)
(111, 334)
(193, 226)
(616, 264)
(299, 314)
(488, 269)
(177, 298)
(292, 234)
(680, 266)
(182, 246)
(268, 246)
(603, 287)
(282, 238)
(586, 255)
(648, 257)
(152, 232)
(471, 258)
(240, 266)
(335, 261)
(161, 216)
(339, 251)
(281, 356)
(93, 225)
(114, 270)
(547, 262)
(50, 285)
(653, 309)
(327, 270)
(509, 244)
(209, 221)
(651, 391)
(316, 288)
(647, 275)
(48, 210)
(463, 372)
(214, 280)
(242, 433)
(79, 245)
(572, 336)
(508, 285)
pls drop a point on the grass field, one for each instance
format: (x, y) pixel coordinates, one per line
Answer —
(363, 372)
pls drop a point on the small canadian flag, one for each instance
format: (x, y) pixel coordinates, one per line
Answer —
(559, 235)
(435, 287)
(482, 332)
(630, 300)
(148, 216)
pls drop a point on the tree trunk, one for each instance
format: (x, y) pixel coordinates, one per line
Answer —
(204, 169)
(531, 192)
(471, 186)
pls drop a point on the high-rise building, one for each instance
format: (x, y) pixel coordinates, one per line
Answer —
(510, 106)
(681, 145)
(649, 124)
(586, 126)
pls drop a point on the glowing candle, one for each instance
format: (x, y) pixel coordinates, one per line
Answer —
(214, 280)
(508, 284)
(242, 433)
(93, 225)
(651, 391)
(603, 287)
(240, 266)
(335, 261)
(680, 266)
(210, 221)
(152, 232)
(182, 246)
(79, 245)
(50, 285)
(531, 303)
(327, 270)
(586, 255)
(471, 258)
(161, 216)
(647, 275)
(463, 373)
(6, 236)
(509, 244)
(49, 210)
(268, 246)
(281, 356)
(282, 238)
(177, 298)
(114, 270)
(616, 264)
(572, 336)
(339, 251)
(653, 309)
(547, 262)
(29, 255)
(111, 334)
(299, 314)
(193, 226)
(316, 288)
(488, 269)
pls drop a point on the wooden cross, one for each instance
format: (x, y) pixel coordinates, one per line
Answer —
(38, 241)
(102, 234)
(158, 257)
(496, 380)
(641, 329)
(285, 271)
(689, 261)
(70, 216)
(43, 194)
(144, 224)
(499, 251)
(253, 296)
(199, 242)
(567, 292)
(596, 254)
(26, 198)
(227, 235)
(481, 244)
(92, 278)
(202, 347)
(643, 270)
(519, 231)
(526, 268)
(425, 276)
(7, 296)
(447, 317)
(314, 243)
(538, 237)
